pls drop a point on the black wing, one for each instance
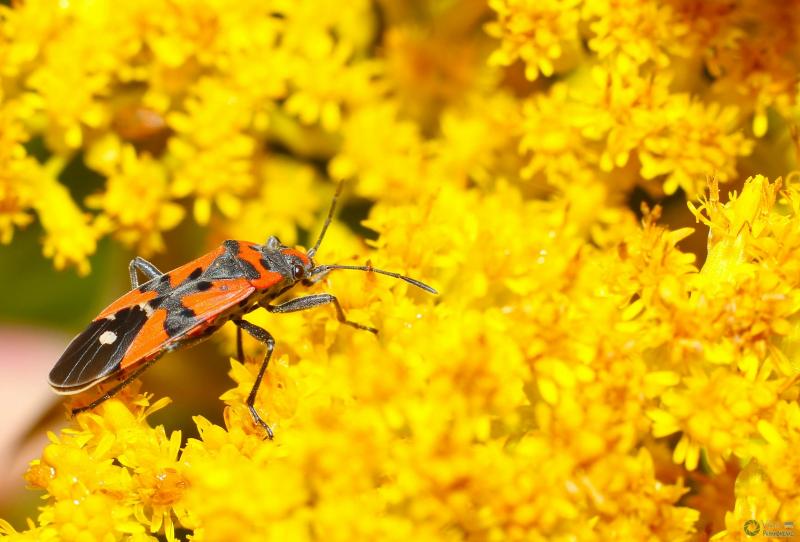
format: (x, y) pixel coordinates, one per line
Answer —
(96, 353)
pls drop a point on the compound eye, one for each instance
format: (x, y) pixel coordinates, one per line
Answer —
(298, 271)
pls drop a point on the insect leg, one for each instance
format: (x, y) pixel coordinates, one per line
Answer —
(263, 336)
(310, 301)
(146, 268)
(239, 349)
(115, 390)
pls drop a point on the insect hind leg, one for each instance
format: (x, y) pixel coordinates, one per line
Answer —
(239, 348)
(146, 268)
(113, 391)
(264, 336)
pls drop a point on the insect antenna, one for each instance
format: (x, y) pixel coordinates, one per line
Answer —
(368, 268)
(328, 220)
(324, 269)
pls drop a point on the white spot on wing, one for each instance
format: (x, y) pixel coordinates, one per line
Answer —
(148, 310)
(108, 337)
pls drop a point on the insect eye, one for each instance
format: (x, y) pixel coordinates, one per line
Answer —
(298, 271)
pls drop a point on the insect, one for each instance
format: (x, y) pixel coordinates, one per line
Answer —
(184, 306)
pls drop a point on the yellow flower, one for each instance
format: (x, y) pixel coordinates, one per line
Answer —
(380, 149)
(326, 82)
(766, 489)
(17, 172)
(638, 489)
(113, 478)
(69, 238)
(753, 61)
(327, 73)
(694, 140)
(579, 362)
(556, 146)
(581, 134)
(139, 221)
(213, 138)
(716, 412)
(68, 75)
(276, 209)
(536, 32)
(478, 139)
(278, 386)
(630, 33)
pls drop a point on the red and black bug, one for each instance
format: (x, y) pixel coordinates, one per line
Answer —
(186, 305)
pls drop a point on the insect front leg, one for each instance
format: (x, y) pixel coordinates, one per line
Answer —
(265, 337)
(311, 301)
(146, 268)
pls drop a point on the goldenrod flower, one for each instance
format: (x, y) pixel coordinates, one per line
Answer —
(327, 71)
(581, 361)
(321, 95)
(70, 237)
(141, 178)
(537, 32)
(17, 172)
(267, 212)
(112, 477)
(380, 149)
(630, 33)
(753, 60)
(580, 135)
(692, 139)
(214, 139)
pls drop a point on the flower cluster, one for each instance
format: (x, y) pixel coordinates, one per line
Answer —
(170, 104)
(583, 375)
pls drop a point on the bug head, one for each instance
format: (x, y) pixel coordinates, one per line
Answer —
(293, 264)
(310, 273)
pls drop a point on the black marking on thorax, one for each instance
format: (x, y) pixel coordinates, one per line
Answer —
(181, 318)
(249, 270)
(231, 246)
(274, 260)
